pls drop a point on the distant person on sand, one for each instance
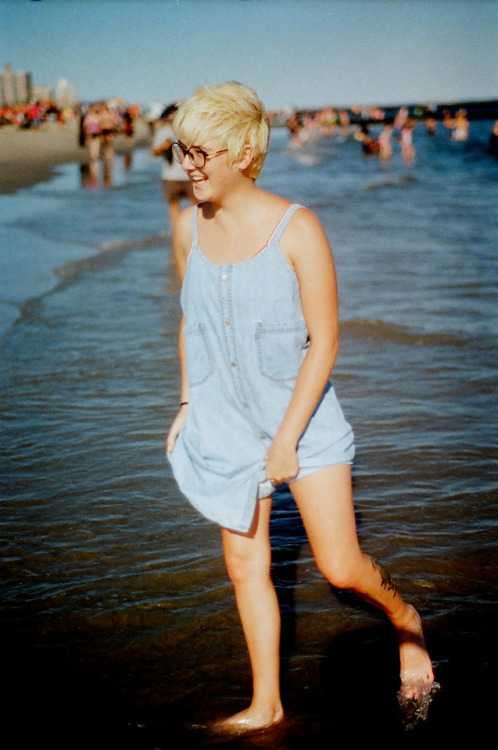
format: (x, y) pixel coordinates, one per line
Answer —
(128, 126)
(258, 340)
(108, 124)
(176, 184)
(92, 131)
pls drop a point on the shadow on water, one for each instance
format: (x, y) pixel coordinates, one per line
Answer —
(335, 689)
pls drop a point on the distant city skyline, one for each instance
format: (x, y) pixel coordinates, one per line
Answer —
(18, 87)
(64, 95)
(296, 53)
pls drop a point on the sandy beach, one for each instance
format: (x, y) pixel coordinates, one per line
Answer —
(31, 156)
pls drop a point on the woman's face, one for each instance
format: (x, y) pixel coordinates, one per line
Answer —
(212, 180)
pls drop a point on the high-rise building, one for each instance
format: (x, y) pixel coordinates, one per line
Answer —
(8, 87)
(15, 87)
(22, 86)
(64, 93)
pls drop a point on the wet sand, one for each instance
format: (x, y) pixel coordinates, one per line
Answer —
(31, 156)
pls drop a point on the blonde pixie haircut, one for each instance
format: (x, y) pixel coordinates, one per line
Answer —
(231, 112)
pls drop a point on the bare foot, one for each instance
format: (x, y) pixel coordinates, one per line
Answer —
(250, 720)
(416, 673)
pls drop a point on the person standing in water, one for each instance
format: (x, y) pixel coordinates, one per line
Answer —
(175, 182)
(461, 126)
(385, 146)
(406, 141)
(258, 341)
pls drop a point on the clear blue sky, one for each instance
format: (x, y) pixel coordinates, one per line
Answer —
(307, 53)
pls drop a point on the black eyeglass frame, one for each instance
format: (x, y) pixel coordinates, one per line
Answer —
(180, 152)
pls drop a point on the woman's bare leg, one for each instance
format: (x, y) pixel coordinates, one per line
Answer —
(325, 502)
(248, 561)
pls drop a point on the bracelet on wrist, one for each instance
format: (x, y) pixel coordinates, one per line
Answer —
(183, 403)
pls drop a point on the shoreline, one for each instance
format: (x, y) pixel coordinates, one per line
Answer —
(31, 156)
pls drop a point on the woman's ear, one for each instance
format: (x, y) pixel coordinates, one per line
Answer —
(247, 158)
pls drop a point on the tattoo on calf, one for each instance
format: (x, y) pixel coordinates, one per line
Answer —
(387, 582)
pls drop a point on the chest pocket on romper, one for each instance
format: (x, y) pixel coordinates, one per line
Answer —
(200, 365)
(281, 348)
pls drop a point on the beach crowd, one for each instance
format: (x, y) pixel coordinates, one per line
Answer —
(34, 114)
(306, 127)
(24, 116)
(97, 129)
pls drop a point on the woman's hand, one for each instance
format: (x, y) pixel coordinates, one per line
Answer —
(281, 462)
(176, 426)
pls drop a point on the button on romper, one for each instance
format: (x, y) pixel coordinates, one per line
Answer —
(246, 338)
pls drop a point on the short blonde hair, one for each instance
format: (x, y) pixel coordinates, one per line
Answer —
(231, 112)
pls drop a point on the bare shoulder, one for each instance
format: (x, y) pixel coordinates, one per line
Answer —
(304, 237)
(182, 239)
(305, 221)
(182, 232)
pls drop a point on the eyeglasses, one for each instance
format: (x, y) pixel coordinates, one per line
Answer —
(197, 156)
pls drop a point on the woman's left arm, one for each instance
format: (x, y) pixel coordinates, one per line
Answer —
(307, 249)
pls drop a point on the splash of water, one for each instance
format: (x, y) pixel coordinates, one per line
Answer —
(416, 710)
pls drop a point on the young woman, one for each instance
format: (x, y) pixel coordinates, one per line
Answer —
(258, 341)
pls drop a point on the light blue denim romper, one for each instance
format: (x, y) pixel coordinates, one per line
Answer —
(246, 338)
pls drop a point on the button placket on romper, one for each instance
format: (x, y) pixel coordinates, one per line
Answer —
(227, 273)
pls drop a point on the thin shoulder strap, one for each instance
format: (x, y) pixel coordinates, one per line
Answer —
(195, 211)
(282, 224)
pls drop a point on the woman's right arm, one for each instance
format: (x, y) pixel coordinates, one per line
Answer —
(182, 240)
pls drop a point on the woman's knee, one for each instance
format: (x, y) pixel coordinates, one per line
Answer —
(246, 568)
(342, 572)
(248, 557)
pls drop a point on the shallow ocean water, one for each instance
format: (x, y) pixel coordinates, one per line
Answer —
(118, 621)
